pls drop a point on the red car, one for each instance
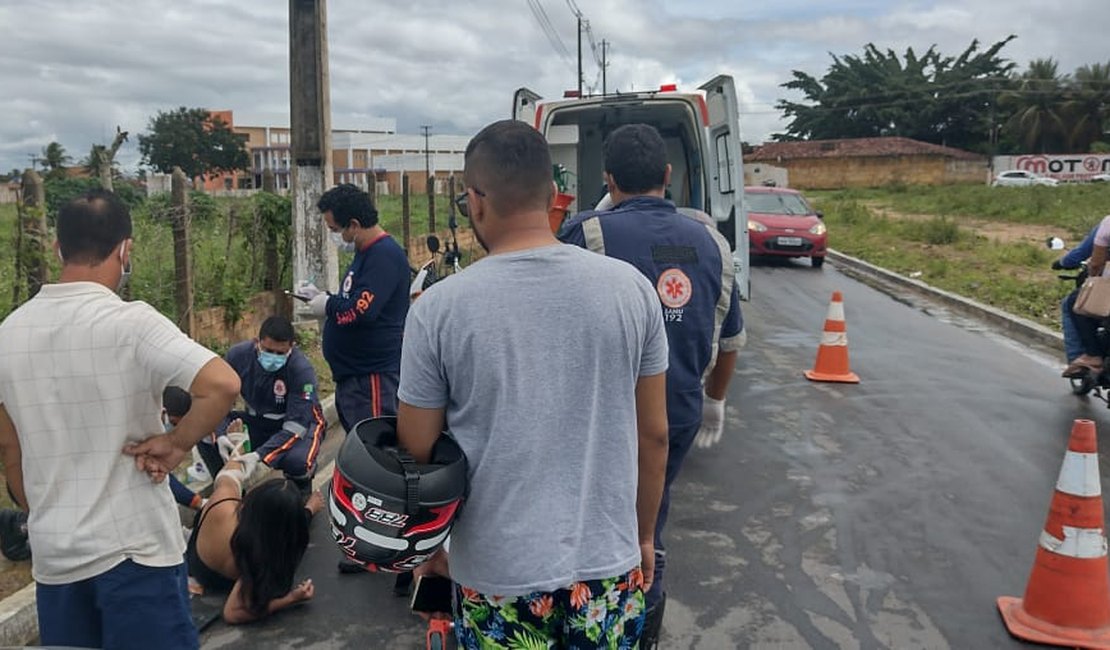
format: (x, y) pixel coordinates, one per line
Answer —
(782, 223)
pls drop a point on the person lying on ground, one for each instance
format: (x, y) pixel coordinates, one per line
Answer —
(250, 545)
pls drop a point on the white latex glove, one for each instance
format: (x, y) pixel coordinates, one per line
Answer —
(237, 474)
(308, 291)
(226, 447)
(712, 422)
(250, 462)
(318, 306)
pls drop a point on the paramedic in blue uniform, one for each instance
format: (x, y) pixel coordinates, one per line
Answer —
(282, 410)
(690, 264)
(363, 323)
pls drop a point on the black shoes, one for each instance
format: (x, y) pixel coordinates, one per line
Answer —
(13, 535)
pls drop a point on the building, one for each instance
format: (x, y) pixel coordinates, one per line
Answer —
(871, 162)
(370, 151)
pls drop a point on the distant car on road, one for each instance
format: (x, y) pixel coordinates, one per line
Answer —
(782, 223)
(1021, 178)
(1100, 178)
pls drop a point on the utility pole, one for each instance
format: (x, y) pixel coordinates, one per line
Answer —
(427, 164)
(579, 15)
(604, 65)
(314, 258)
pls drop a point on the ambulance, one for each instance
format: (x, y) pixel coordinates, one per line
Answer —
(702, 133)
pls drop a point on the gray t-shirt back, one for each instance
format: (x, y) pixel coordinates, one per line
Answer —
(535, 357)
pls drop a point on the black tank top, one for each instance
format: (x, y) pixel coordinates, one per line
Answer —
(208, 578)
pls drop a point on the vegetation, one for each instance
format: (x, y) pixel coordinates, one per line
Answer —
(975, 101)
(191, 139)
(935, 234)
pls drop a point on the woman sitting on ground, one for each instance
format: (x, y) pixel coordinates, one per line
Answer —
(250, 545)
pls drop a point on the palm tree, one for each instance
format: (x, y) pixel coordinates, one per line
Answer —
(1036, 100)
(55, 158)
(1089, 106)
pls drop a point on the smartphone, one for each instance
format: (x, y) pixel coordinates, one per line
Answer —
(432, 595)
(298, 297)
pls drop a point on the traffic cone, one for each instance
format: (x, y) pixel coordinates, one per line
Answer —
(1067, 598)
(832, 356)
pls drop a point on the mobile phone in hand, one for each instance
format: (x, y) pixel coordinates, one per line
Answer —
(432, 595)
(296, 295)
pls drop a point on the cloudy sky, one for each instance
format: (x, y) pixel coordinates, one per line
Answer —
(72, 71)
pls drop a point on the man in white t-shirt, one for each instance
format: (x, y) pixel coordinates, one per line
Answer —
(81, 379)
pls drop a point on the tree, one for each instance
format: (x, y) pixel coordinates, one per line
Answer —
(1089, 106)
(929, 97)
(55, 158)
(1036, 105)
(101, 163)
(190, 138)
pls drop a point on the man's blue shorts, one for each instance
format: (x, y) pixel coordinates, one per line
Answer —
(128, 606)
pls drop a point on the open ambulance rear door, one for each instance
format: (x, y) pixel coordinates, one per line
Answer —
(726, 174)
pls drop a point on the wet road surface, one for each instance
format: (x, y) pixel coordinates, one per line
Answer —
(888, 514)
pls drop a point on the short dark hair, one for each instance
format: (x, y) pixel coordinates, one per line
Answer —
(91, 226)
(636, 158)
(277, 328)
(176, 401)
(509, 161)
(346, 202)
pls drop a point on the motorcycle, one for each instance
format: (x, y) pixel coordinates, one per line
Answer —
(1089, 381)
(438, 265)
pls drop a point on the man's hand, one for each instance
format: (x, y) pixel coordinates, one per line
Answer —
(250, 462)
(647, 563)
(158, 455)
(318, 306)
(712, 422)
(226, 446)
(307, 290)
(437, 565)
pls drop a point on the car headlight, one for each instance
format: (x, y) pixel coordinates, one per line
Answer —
(818, 229)
(755, 226)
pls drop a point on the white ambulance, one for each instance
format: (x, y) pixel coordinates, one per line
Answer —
(702, 132)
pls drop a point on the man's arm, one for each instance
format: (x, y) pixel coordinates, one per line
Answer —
(716, 384)
(651, 427)
(301, 415)
(418, 429)
(1081, 252)
(12, 457)
(213, 391)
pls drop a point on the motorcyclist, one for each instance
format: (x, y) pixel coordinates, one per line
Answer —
(1087, 327)
(1073, 346)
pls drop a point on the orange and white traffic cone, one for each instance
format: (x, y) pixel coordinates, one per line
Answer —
(832, 356)
(1067, 598)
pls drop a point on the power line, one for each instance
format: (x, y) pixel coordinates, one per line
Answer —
(549, 31)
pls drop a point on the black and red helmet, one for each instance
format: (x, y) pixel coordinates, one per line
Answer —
(388, 512)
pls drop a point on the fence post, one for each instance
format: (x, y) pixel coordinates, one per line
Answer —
(431, 190)
(32, 236)
(406, 215)
(451, 197)
(183, 271)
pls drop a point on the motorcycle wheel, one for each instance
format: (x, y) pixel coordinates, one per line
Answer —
(1082, 385)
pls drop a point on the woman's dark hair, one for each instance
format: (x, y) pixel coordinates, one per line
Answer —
(346, 202)
(269, 542)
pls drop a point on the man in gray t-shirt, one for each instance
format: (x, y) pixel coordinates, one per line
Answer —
(547, 363)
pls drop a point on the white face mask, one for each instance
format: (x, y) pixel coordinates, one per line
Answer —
(340, 243)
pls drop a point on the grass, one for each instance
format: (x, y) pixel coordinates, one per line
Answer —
(946, 251)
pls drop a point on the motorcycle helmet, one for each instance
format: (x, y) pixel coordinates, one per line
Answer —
(388, 512)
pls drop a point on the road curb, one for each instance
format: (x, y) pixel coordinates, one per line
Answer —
(1014, 325)
(19, 618)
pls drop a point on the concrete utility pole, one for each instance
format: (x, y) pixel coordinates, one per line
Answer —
(427, 129)
(579, 16)
(314, 259)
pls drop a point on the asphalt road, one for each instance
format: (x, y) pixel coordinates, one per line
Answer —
(888, 514)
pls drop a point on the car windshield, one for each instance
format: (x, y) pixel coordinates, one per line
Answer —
(778, 203)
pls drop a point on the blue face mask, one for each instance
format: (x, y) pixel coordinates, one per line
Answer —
(271, 361)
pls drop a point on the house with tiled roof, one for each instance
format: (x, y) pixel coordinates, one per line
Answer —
(871, 162)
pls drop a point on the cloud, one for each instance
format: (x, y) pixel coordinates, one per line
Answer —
(72, 72)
